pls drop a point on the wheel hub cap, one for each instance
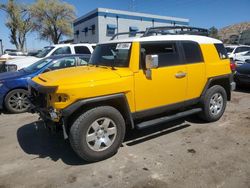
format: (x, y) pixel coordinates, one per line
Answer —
(101, 134)
(216, 104)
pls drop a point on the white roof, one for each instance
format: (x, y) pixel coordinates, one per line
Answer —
(196, 38)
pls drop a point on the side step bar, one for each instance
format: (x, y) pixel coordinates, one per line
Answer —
(153, 122)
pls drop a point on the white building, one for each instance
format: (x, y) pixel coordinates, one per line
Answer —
(101, 24)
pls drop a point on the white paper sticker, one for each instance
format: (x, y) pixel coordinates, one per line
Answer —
(123, 46)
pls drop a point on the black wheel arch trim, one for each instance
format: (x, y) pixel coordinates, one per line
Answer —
(68, 111)
(210, 81)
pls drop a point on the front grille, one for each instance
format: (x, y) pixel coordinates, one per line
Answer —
(38, 99)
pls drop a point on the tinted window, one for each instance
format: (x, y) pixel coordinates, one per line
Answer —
(63, 63)
(229, 50)
(62, 50)
(242, 49)
(167, 53)
(81, 50)
(192, 52)
(222, 52)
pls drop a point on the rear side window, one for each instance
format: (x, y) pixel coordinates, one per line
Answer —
(167, 53)
(222, 52)
(192, 52)
(81, 50)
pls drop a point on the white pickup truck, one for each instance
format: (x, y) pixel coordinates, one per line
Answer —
(57, 49)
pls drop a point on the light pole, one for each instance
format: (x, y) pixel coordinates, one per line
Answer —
(1, 45)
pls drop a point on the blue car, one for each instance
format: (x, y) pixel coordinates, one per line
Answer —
(14, 86)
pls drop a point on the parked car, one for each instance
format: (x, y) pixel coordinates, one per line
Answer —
(234, 51)
(134, 83)
(242, 75)
(14, 86)
(57, 49)
(242, 59)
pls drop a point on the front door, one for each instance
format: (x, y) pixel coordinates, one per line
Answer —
(168, 82)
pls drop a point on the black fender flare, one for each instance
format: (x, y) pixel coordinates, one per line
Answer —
(68, 111)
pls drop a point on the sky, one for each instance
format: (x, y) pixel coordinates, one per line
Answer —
(201, 13)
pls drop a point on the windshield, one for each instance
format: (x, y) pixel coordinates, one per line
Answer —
(45, 51)
(37, 66)
(229, 50)
(114, 55)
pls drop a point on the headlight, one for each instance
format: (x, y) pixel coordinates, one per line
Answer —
(11, 68)
(1, 84)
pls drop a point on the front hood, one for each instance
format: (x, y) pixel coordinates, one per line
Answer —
(12, 75)
(76, 75)
(244, 69)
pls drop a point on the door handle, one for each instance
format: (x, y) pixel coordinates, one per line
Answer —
(180, 75)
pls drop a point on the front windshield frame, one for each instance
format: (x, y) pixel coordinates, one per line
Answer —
(45, 51)
(106, 59)
(38, 65)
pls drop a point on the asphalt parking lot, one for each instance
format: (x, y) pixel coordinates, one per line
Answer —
(186, 153)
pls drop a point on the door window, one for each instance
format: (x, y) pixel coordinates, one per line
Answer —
(167, 53)
(81, 50)
(192, 52)
(242, 49)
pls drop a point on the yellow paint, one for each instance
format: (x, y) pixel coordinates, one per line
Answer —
(142, 93)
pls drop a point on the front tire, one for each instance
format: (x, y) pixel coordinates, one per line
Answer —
(214, 103)
(17, 101)
(98, 133)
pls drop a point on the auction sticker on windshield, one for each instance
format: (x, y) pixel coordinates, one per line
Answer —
(123, 46)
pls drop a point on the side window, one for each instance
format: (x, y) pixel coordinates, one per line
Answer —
(242, 49)
(83, 61)
(63, 63)
(167, 53)
(192, 52)
(81, 50)
(62, 50)
(222, 52)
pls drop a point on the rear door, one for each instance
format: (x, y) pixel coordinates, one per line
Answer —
(195, 69)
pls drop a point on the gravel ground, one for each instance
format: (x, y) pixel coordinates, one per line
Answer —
(186, 153)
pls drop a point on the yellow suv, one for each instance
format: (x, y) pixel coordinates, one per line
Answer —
(133, 83)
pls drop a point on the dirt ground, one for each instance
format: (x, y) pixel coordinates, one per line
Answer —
(187, 153)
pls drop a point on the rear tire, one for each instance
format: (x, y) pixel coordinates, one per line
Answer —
(213, 103)
(98, 133)
(17, 101)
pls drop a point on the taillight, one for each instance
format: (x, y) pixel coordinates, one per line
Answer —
(232, 65)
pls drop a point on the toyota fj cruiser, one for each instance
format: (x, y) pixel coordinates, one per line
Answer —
(134, 83)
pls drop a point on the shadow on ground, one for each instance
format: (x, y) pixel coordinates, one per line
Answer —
(37, 140)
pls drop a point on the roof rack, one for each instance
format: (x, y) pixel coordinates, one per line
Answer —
(173, 30)
(127, 33)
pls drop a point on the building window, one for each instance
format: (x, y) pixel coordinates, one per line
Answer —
(133, 31)
(93, 29)
(111, 29)
(85, 30)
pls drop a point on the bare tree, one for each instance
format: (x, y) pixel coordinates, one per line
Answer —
(52, 19)
(18, 21)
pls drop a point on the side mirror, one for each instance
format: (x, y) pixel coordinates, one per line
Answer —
(151, 61)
